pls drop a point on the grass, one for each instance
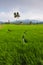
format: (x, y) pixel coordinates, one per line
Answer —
(13, 51)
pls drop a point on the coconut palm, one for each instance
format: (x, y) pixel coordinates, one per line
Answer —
(16, 15)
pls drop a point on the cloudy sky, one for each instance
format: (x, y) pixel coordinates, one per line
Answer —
(28, 9)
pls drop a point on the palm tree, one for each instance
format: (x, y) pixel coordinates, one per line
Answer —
(16, 15)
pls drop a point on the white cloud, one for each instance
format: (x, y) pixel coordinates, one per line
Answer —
(5, 16)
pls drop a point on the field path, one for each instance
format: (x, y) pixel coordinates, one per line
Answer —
(23, 37)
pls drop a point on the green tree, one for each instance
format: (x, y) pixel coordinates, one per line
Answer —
(30, 22)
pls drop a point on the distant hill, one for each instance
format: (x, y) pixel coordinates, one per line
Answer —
(1, 22)
(26, 21)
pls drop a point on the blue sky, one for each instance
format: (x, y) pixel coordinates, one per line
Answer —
(28, 9)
